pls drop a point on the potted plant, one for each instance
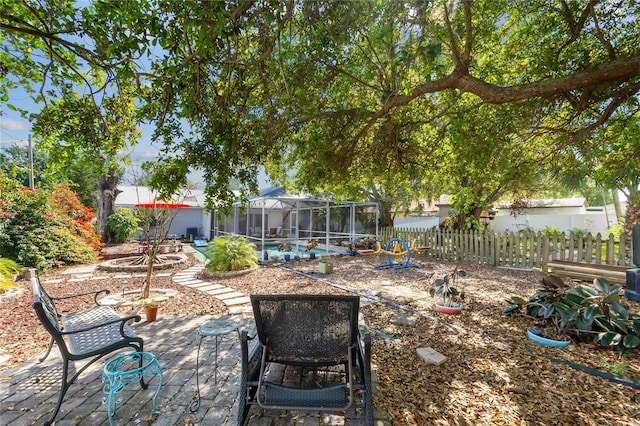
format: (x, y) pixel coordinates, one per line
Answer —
(150, 309)
(285, 247)
(587, 313)
(311, 244)
(450, 297)
(325, 266)
(551, 331)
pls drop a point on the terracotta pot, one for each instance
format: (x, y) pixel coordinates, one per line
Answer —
(451, 310)
(151, 312)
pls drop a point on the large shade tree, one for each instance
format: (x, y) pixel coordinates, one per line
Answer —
(51, 50)
(346, 91)
(343, 92)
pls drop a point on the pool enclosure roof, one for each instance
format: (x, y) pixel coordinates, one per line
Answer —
(277, 216)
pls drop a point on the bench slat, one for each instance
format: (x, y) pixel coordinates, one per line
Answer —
(97, 338)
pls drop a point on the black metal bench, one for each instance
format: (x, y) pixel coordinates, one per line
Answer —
(89, 334)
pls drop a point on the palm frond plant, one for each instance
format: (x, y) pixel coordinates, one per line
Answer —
(8, 267)
(228, 253)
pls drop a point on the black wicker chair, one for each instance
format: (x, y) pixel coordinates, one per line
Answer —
(320, 334)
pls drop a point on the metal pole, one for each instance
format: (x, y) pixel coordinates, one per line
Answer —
(31, 183)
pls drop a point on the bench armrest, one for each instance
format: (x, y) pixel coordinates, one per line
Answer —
(95, 295)
(123, 321)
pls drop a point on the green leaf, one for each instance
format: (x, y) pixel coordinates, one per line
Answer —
(511, 310)
(518, 300)
(603, 323)
(584, 324)
(620, 310)
(621, 325)
(547, 310)
(610, 339)
(631, 341)
(575, 298)
(613, 297)
(601, 284)
(586, 291)
(569, 315)
(590, 313)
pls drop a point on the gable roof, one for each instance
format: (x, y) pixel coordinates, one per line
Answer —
(135, 194)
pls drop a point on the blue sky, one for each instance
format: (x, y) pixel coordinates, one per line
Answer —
(15, 130)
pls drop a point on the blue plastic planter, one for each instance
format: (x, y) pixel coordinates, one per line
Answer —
(543, 340)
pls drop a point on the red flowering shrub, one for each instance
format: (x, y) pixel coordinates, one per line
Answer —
(68, 209)
(40, 231)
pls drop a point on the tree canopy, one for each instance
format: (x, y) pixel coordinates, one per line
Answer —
(348, 95)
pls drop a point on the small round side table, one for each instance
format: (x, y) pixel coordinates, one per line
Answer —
(217, 328)
(124, 369)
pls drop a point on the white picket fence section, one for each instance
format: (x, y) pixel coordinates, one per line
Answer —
(522, 249)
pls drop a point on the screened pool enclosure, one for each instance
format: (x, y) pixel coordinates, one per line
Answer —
(276, 217)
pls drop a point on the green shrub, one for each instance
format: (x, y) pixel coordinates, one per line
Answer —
(230, 254)
(550, 231)
(617, 230)
(124, 223)
(52, 247)
(585, 313)
(40, 233)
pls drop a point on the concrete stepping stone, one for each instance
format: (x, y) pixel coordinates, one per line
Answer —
(203, 284)
(405, 320)
(230, 295)
(240, 310)
(218, 291)
(210, 288)
(430, 356)
(243, 300)
(189, 283)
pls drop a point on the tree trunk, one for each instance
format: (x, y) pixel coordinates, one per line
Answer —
(460, 220)
(616, 205)
(386, 219)
(632, 215)
(106, 198)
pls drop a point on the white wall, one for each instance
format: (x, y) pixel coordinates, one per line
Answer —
(419, 222)
(188, 218)
(595, 222)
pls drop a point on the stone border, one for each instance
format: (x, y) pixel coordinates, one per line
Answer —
(228, 274)
(117, 298)
(117, 265)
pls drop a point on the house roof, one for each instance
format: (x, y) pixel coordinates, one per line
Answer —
(134, 194)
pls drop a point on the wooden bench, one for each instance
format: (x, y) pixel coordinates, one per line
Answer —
(88, 335)
(588, 271)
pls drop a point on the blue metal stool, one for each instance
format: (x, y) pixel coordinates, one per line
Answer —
(124, 369)
(216, 328)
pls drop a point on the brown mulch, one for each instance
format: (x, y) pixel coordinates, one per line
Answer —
(493, 374)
